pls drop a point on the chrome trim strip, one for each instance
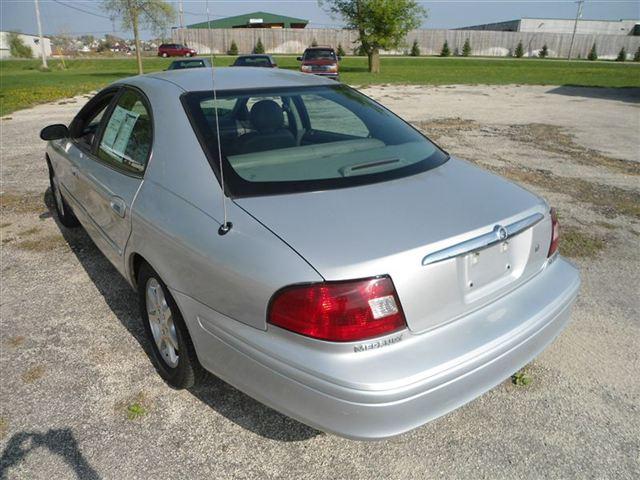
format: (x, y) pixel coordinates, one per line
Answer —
(496, 235)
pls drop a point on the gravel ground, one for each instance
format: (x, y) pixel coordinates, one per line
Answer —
(80, 398)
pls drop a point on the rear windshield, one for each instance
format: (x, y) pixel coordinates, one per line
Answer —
(319, 55)
(277, 141)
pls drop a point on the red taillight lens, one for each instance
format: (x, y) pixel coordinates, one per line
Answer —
(555, 233)
(339, 311)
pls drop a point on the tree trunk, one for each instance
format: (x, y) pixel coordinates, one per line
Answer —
(374, 60)
(134, 20)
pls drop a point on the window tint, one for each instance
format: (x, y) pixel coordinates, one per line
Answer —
(87, 127)
(126, 141)
(307, 138)
(328, 116)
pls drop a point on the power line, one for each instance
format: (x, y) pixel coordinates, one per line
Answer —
(82, 10)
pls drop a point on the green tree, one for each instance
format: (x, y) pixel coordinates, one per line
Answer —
(636, 57)
(415, 49)
(17, 48)
(445, 52)
(259, 48)
(519, 51)
(340, 52)
(135, 15)
(466, 48)
(593, 53)
(622, 55)
(544, 53)
(233, 49)
(314, 43)
(381, 24)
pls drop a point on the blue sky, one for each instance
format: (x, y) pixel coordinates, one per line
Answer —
(58, 16)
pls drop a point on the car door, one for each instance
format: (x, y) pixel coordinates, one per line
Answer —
(111, 176)
(67, 154)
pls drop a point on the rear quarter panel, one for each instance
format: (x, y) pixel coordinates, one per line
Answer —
(175, 221)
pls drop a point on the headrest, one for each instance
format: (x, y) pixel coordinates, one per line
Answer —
(267, 116)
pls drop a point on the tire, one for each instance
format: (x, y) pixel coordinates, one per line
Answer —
(165, 54)
(63, 211)
(165, 330)
(187, 54)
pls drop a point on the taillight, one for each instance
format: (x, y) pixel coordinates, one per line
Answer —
(555, 233)
(339, 311)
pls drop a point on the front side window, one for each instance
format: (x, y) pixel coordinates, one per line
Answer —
(306, 138)
(85, 125)
(127, 137)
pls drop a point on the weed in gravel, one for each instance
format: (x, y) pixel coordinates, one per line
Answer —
(22, 203)
(443, 127)
(5, 225)
(608, 199)
(135, 410)
(29, 231)
(135, 407)
(4, 426)
(576, 243)
(521, 378)
(33, 374)
(16, 341)
(46, 243)
(554, 139)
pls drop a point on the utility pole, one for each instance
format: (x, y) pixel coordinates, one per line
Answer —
(181, 14)
(42, 51)
(575, 27)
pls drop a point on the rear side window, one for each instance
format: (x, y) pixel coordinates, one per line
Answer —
(127, 137)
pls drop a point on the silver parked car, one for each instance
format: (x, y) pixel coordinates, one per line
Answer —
(306, 245)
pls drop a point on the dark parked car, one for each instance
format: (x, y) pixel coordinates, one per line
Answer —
(321, 61)
(255, 61)
(175, 50)
(189, 63)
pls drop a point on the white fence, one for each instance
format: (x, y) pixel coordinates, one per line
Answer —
(483, 43)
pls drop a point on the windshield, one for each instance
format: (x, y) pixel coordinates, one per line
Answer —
(319, 55)
(306, 138)
(252, 61)
(180, 64)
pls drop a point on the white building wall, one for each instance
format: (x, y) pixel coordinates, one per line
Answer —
(32, 41)
(585, 27)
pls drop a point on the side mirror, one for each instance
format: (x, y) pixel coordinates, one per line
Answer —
(299, 59)
(54, 132)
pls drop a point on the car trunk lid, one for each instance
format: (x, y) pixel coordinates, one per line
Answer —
(437, 234)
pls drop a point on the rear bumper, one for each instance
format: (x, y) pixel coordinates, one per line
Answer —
(386, 391)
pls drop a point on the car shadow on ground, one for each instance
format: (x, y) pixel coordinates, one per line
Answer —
(219, 395)
(621, 94)
(58, 441)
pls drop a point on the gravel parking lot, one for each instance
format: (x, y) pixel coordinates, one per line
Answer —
(80, 398)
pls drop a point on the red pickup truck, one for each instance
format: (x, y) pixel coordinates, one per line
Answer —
(175, 50)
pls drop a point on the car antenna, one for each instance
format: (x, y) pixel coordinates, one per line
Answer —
(226, 225)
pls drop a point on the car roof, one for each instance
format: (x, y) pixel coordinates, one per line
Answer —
(320, 47)
(229, 78)
(254, 55)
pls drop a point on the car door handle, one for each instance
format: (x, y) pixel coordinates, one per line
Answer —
(118, 206)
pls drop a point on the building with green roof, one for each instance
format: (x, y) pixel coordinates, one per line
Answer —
(254, 20)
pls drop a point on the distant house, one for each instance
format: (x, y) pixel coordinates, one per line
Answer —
(31, 41)
(254, 20)
(563, 25)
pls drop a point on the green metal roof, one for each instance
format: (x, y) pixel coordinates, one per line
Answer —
(245, 20)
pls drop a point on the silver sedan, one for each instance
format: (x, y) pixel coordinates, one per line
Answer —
(301, 242)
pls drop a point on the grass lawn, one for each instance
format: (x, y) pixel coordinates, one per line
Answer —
(23, 85)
